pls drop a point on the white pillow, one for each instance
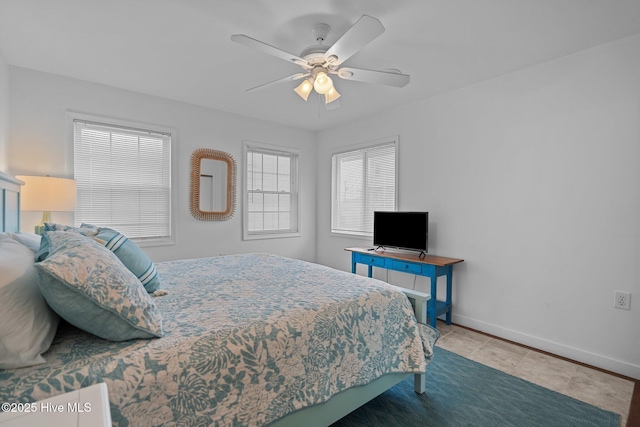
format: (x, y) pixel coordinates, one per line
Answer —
(30, 240)
(27, 324)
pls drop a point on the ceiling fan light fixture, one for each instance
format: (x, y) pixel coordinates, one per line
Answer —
(331, 96)
(304, 89)
(320, 60)
(322, 83)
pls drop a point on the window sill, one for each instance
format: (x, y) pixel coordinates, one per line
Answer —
(147, 243)
(269, 236)
(351, 235)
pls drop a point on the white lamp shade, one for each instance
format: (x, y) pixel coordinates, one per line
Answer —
(46, 193)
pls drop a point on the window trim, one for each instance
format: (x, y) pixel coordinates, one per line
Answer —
(245, 191)
(106, 120)
(395, 140)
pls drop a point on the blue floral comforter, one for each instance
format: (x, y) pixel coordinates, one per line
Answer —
(248, 339)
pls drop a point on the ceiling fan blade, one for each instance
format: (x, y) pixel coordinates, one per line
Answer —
(290, 78)
(268, 49)
(371, 76)
(363, 32)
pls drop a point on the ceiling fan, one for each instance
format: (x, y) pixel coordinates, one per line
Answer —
(320, 61)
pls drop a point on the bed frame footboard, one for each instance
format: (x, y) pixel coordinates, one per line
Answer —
(419, 300)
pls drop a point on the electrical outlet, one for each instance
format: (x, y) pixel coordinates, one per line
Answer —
(622, 300)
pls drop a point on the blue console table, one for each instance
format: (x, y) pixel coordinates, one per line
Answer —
(428, 265)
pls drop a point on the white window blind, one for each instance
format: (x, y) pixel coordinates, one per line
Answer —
(123, 177)
(271, 192)
(363, 181)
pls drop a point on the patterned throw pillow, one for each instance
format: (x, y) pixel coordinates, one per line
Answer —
(90, 288)
(131, 256)
(127, 252)
(85, 230)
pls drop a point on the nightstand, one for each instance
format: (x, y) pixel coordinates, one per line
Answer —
(87, 407)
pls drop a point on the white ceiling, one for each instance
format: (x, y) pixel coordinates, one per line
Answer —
(181, 49)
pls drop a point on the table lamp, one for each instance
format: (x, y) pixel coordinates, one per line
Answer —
(47, 194)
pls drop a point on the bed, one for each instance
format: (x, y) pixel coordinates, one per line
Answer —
(249, 339)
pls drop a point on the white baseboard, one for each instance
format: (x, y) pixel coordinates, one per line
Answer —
(599, 361)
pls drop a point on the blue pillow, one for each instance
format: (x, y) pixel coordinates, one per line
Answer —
(130, 255)
(90, 288)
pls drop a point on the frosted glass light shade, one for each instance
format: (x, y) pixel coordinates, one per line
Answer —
(323, 83)
(47, 194)
(331, 96)
(304, 89)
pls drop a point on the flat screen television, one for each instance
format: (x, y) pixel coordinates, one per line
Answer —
(403, 230)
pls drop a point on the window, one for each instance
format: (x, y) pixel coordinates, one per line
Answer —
(270, 208)
(363, 181)
(123, 175)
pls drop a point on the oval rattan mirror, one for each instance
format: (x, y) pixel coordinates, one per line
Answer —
(213, 185)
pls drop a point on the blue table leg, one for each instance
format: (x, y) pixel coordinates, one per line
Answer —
(432, 301)
(449, 288)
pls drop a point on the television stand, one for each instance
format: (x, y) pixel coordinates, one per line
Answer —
(421, 264)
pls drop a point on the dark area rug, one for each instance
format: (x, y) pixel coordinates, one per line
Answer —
(461, 392)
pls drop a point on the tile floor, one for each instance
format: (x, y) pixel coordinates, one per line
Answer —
(588, 385)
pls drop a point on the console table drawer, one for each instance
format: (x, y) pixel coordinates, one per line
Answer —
(406, 267)
(370, 260)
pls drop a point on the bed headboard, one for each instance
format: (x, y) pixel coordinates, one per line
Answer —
(9, 203)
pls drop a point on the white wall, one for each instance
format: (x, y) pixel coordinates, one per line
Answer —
(40, 144)
(532, 178)
(4, 112)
